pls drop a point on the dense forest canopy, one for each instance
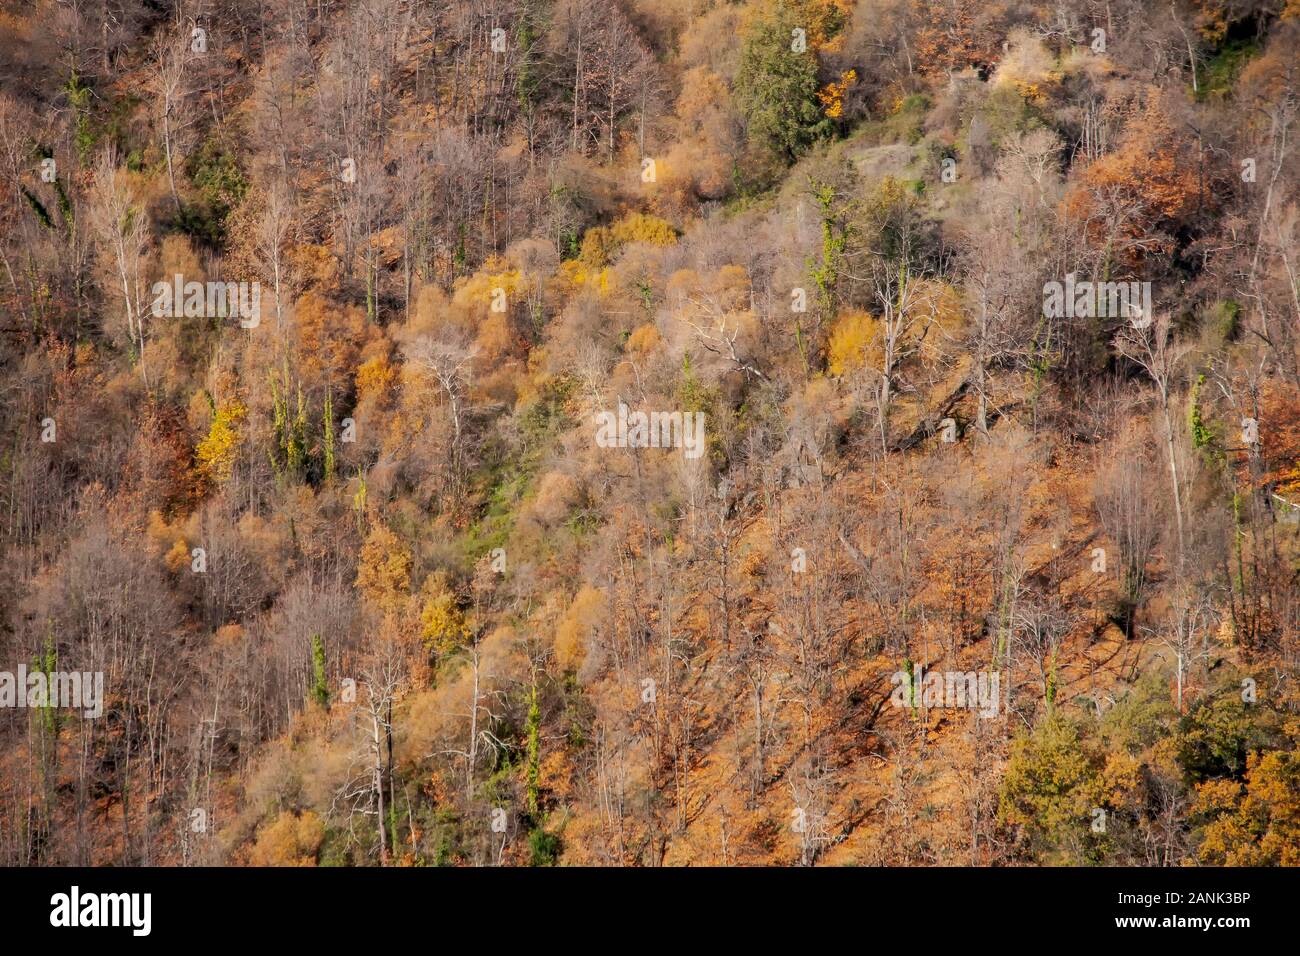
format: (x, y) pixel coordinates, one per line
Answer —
(650, 432)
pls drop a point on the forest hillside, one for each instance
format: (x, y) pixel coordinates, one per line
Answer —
(650, 432)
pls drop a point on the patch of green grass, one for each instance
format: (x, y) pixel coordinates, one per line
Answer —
(1220, 71)
(904, 125)
(494, 525)
(510, 475)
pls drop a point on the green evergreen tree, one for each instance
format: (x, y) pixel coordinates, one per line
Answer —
(47, 663)
(534, 730)
(327, 426)
(296, 449)
(320, 690)
(289, 429)
(776, 87)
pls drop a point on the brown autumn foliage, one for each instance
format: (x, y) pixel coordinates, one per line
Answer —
(385, 570)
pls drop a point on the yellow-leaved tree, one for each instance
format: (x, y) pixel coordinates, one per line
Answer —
(289, 841)
(216, 453)
(384, 571)
(1255, 824)
(600, 244)
(853, 343)
(575, 627)
(443, 625)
